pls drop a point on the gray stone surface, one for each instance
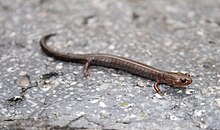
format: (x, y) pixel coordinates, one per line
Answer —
(38, 92)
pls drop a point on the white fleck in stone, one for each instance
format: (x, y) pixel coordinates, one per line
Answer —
(202, 104)
(126, 110)
(201, 79)
(181, 53)
(66, 96)
(203, 126)
(59, 66)
(114, 75)
(47, 81)
(173, 118)
(23, 73)
(130, 95)
(200, 33)
(73, 83)
(28, 111)
(46, 88)
(59, 99)
(76, 72)
(118, 97)
(34, 89)
(79, 99)
(71, 88)
(37, 72)
(168, 43)
(102, 104)
(81, 113)
(131, 116)
(218, 82)
(12, 34)
(29, 41)
(69, 108)
(80, 85)
(121, 78)
(189, 91)
(103, 111)
(179, 91)
(111, 47)
(141, 84)
(158, 96)
(218, 102)
(10, 69)
(198, 113)
(94, 101)
(100, 72)
(42, 100)
(97, 89)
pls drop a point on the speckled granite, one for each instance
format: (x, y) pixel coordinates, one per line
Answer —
(38, 92)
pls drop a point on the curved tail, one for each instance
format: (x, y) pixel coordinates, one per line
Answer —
(51, 52)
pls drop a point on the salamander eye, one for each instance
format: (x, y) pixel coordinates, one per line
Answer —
(183, 80)
(187, 74)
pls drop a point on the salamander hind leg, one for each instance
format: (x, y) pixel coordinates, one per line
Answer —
(86, 68)
(157, 89)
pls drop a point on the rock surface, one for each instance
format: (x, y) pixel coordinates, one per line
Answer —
(39, 92)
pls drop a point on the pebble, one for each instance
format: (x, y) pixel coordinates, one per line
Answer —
(23, 80)
(198, 113)
(102, 104)
(218, 102)
(158, 96)
(59, 66)
(94, 101)
(73, 83)
(189, 91)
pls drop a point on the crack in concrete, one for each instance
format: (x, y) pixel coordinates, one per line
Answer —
(16, 99)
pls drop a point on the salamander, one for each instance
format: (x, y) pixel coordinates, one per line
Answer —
(174, 79)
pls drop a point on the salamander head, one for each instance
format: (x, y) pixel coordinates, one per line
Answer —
(179, 79)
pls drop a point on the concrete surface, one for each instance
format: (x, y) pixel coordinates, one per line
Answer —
(38, 92)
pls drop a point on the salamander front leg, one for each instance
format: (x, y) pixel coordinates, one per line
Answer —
(156, 88)
(86, 68)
